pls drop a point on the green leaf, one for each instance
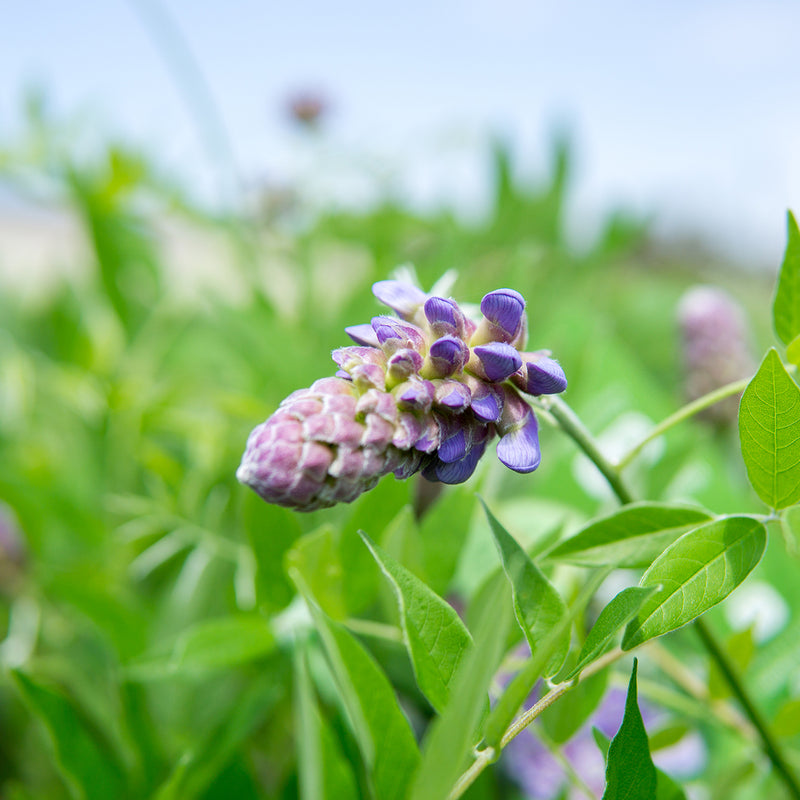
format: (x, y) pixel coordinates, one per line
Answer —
(562, 720)
(630, 772)
(695, 573)
(323, 773)
(450, 740)
(630, 537)
(434, 635)
(787, 719)
(769, 430)
(271, 531)
(316, 558)
(443, 531)
(84, 760)
(537, 605)
(793, 351)
(621, 610)
(381, 730)
(521, 685)
(220, 643)
(786, 308)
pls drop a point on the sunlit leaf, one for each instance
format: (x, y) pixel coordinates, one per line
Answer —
(630, 772)
(630, 537)
(695, 573)
(450, 740)
(434, 633)
(769, 430)
(537, 605)
(786, 308)
(613, 617)
(383, 734)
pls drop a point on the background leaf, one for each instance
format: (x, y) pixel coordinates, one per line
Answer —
(452, 736)
(537, 605)
(695, 573)
(630, 537)
(630, 772)
(786, 308)
(769, 430)
(85, 761)
(384, 737)
(435, 636)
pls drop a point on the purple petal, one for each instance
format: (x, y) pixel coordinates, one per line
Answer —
(453, 395)
(448, 355)
(504, 308)
(362, 334)
(444, 316)
(340, 373)
(519, 448)
(403, 298)
(456, 471)
(347, 357)
(544, 376)
(397, 335)
(499, 360)
(454, 446)
(416, 394)
(487, 403)
(404, 363)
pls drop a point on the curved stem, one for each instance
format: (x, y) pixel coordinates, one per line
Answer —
(569, 422)
(689, 410)
(573, 427)
(771, 746)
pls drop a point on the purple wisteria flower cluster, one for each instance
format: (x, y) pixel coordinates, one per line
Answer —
(423, 391)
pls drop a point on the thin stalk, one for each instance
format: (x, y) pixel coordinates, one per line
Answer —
(569, 422)
(771, 746)
(559, 689)
(482, 760)
(575, 429)
(689, 410)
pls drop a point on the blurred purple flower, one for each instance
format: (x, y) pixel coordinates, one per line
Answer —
(423, 392)
(716, 348)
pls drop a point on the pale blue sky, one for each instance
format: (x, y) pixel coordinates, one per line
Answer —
(688, 109)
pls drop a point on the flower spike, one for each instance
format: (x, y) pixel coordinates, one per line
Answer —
(424, 391)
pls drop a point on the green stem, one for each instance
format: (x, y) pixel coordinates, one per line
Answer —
(573, 427)
(569, 422)
(771, 746)
(689, 410)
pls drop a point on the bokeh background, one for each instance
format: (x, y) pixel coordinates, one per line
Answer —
(195, 199)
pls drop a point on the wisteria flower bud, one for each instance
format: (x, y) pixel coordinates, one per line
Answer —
(716, 348)
(425, 392)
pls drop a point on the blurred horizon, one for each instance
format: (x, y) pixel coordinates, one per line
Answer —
(683, 115)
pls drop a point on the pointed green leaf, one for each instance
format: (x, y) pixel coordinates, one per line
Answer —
(323, 773)
(786, 308)
(450, 740)
(630, 772)
(271, 531)
(769, 430)
(383, 734)
(537, 605)
(434, 634)
(630, 537)
(618, 613)
(695, 573)
(523, 682)
(84, 760)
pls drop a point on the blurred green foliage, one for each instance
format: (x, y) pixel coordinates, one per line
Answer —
(152, 646)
